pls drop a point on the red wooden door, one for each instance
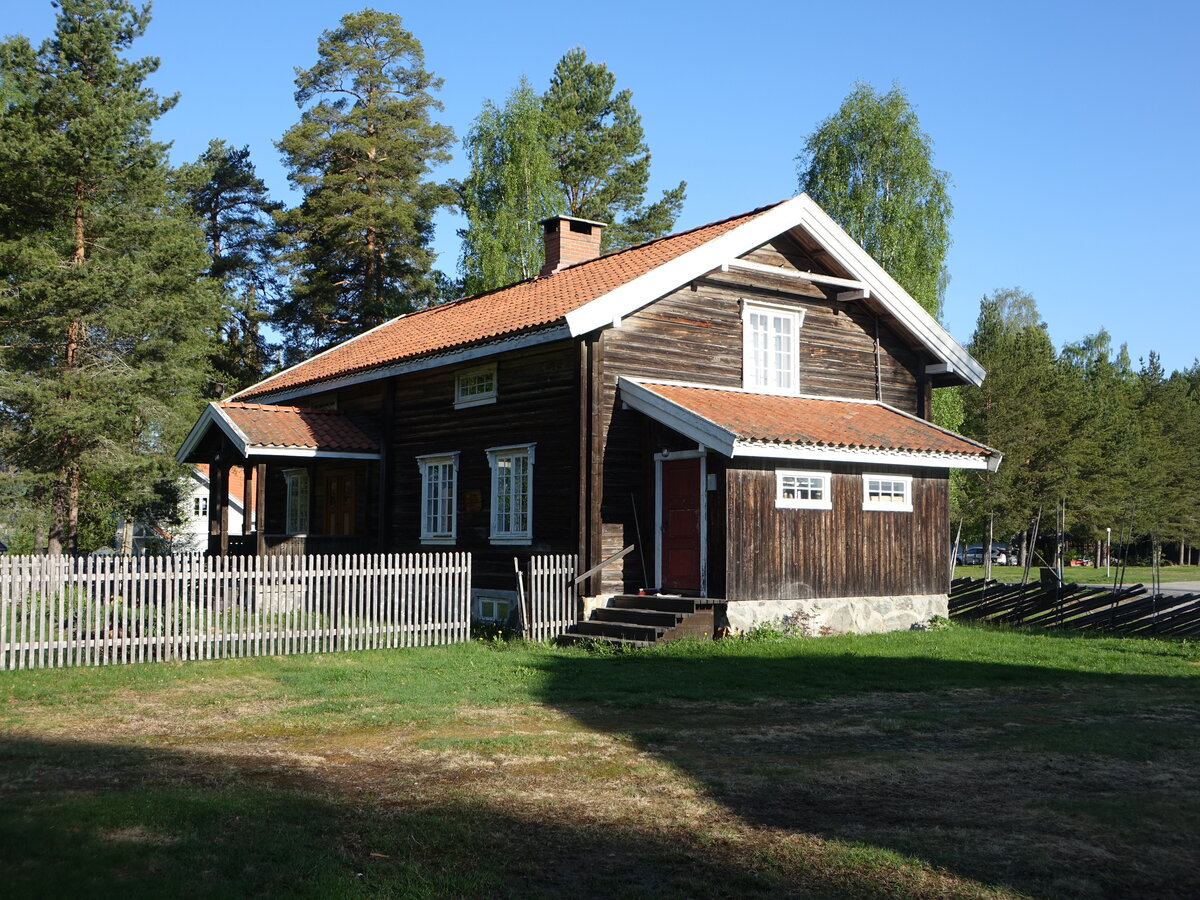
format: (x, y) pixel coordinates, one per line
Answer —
(681, 524)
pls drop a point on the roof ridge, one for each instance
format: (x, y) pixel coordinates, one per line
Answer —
(665, 237)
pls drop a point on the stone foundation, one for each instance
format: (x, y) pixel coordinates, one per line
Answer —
(838, 615)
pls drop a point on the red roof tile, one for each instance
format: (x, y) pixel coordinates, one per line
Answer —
(289, 427)
(816, 421)
(527, 304)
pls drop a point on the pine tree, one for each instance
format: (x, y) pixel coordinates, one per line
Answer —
(511, 187)
(598, 147)
(107, 321)
(358, 244)
(235, 212)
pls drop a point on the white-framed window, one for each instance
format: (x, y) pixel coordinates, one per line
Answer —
(200, 506)
(492, 606)
(439, 497)
(803, 490)
(475, 387)
(297, 500)
(512, 493)
(887, 492)
(771, 348)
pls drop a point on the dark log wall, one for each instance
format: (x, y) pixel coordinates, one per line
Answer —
(537, 402)
(695, 334)
(846, 551)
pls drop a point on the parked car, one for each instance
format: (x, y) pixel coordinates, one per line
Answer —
(973, 555)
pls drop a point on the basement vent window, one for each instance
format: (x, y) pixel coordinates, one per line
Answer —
(475, 387)
(802, 490)
(493, 606)
(891, 493)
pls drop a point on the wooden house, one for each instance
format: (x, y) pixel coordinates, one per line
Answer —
(744, 404)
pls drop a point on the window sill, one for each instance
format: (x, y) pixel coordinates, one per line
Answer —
(440, 541)
(479, 401)
(511, 540)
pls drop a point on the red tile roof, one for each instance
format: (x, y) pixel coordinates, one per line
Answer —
(289, 427)
(816, 421)
(525, 305)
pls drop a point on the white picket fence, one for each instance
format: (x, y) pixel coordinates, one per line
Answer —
(552, 604)
(104, 610)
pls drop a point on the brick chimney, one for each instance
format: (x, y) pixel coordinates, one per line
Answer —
(568, 241)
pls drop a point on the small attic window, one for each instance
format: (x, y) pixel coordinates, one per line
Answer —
(475, 387)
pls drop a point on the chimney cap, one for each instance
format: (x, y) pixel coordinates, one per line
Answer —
(551, 219)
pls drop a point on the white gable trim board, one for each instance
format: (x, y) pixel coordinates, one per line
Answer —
(801, 212)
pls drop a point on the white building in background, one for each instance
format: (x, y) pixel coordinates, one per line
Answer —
(191, 534)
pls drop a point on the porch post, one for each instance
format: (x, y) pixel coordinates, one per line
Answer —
(260, 508)
(247, 497)
(218, 502)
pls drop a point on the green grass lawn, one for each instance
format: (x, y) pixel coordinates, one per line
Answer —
(1087, 574)
(958, 763)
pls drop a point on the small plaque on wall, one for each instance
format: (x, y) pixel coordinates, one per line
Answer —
(472, 501)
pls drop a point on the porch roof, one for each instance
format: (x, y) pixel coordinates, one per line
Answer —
(260, 430)
(740, 423)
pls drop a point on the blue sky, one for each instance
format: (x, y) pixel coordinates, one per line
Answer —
(1071, 131)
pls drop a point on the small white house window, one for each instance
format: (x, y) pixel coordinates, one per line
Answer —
(439, 481)
(493, 606)
(297, 500)
(802, 490)
(475, 387)
(512, 493)
(200, 506)
(887, 492)
(771, 348)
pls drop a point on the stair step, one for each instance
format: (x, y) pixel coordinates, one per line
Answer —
(571, 637)
(662, 618)
(617, 630)
(650, 601)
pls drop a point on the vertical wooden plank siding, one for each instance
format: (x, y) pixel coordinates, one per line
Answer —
(780, 554)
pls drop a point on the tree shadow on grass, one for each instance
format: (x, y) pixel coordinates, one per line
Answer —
(100, 820)
(1052, 782)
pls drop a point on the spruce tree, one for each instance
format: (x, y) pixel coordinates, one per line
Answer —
(107, 321)
(358, 245)
(598, 147)
(235, 212)
(511, 187)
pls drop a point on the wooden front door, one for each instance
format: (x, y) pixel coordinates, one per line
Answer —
(339, 501)
(681, 524)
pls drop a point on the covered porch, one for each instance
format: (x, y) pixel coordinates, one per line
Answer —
(311, 479)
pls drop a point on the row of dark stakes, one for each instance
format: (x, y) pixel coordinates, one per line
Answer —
(1126, 610)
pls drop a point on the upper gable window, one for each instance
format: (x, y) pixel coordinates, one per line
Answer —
(771, 348)
(475, 387)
